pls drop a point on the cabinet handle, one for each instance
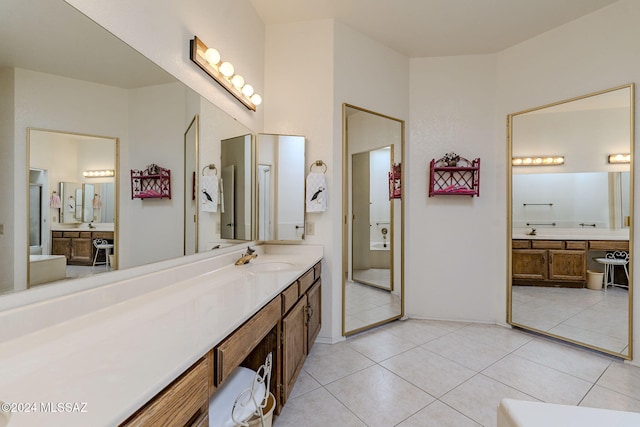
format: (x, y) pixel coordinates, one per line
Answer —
(309, 312)
(550, 258)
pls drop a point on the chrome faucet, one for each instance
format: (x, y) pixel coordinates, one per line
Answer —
(91, 225)
(244, 259)
(532, 232)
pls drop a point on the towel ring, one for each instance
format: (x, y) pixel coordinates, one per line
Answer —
(211, 166)
(319, 163)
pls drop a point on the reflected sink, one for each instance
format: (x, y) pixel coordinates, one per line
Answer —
(267, 266)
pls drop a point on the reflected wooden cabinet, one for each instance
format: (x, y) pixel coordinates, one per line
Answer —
(549, 262)
(77, 246)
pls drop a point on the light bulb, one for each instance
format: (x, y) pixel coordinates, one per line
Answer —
(256, 99)
(212, 56)
(247, 90)
(237, 81)
(226, 69)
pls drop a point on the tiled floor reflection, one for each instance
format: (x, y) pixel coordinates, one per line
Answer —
(429, 373)
(595, 317)
(366, 305)
(380, 277)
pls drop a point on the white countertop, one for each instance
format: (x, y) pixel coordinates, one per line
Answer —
(82, 227)
(117, 358)
(571, 234)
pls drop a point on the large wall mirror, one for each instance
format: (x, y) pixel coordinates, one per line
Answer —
(571, 207)
(281, 170)
(373, 229)
(98, 87)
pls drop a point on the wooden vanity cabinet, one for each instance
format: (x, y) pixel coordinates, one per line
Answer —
(300, 327)
(184, 402)
(286, 326)
(549, 262)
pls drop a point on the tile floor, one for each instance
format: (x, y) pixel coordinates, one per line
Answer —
(431, 373)
(366, 305)
(595, 317)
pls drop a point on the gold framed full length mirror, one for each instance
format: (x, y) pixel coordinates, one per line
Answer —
(570, 228)
(373, 227)
(70, 209)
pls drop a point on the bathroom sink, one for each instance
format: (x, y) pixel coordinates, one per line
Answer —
(270, 266)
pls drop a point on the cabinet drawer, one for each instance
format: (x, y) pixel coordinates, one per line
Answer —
(177, 404)
(306, 280)
(521, 244)
(85, 234)
(103, 235)
(317, 269)
(235, 348)
(71, 234)
(609, 245)
(289, 298)
(547, 244)
(56, 234)
(576, 244)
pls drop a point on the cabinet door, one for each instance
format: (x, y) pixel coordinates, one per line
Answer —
(567, 265)
(82, 250)
(529, 264)
(314, 318)
(294, 349)
(61, 246)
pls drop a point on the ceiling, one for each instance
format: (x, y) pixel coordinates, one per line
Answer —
(423, 28)
(51, 36)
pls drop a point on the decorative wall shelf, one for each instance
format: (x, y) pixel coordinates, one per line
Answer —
(454, 176)
(154, 182)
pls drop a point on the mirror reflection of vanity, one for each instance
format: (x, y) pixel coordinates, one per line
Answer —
(571, 209)
(373, 290)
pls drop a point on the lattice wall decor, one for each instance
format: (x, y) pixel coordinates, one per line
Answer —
(454, 175)
(154, 182)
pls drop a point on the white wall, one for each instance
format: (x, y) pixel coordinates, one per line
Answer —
(7, 178)
(300, 85)
(156, 135)
(312, 68)
(455, 247)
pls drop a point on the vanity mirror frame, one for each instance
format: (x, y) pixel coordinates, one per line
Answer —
(397, 249)
(116, 178)
(510, 139)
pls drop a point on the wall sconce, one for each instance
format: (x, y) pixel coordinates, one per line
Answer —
(106, 173)
(620, 158)
(538, 161)
(224, 73)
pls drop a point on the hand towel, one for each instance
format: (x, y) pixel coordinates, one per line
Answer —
(55, 201)
(209, 193)
(317, 198)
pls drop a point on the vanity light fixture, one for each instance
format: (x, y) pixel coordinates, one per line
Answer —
(105, 173)
(223, 72)
(538, 161)
(620, 158)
